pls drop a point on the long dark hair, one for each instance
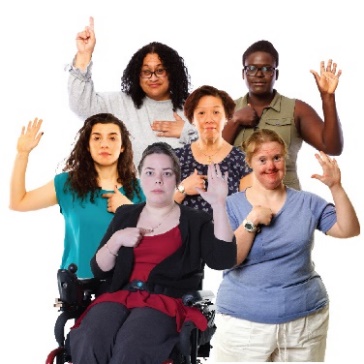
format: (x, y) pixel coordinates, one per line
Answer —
(81, 167)
(179, 79)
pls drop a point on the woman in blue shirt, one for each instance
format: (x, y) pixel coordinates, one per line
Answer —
(274, 306)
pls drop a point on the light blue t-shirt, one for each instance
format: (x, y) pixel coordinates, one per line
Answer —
(277, 281)
(85, 224)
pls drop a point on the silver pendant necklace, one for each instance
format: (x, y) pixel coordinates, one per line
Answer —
(209, 156)
(153, 228)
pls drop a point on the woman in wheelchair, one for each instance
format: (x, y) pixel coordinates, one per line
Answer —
(99, 175)
(151, 255)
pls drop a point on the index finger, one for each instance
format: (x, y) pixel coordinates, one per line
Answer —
(92, 22)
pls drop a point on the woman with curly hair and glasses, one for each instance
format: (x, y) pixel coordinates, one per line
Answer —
(98, 177)
(154, 87)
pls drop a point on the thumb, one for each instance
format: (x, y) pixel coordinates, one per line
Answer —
(116, 190)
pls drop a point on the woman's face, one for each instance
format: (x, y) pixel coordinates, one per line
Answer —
(268, 164)
(105, 144)
(209, 118)
(260, 81)
(154, 79)
(158, 179)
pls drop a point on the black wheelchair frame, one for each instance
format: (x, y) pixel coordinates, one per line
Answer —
(76, 294)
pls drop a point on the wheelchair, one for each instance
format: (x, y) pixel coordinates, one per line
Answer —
(76, 294)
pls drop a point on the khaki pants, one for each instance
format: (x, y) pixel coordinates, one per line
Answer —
(301, 340)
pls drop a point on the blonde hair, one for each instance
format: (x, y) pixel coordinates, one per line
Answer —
(259, 137)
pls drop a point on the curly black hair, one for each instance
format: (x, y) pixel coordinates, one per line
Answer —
(261, 46)
(179, 79)
(206, 90)
(83, 177)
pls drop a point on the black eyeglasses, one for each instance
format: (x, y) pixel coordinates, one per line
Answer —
(159, 72)
(253, 70)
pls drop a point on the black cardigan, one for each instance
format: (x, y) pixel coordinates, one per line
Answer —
(180, 272)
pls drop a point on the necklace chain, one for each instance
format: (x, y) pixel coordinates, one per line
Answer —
(209, 156)
(153, 228)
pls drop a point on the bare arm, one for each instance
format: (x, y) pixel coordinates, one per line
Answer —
(325, 135)
(230, 131)
(20, 198)
(347, 224)
(107, 254)
(246, 182)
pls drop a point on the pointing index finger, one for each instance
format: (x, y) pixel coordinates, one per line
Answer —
(92, 22)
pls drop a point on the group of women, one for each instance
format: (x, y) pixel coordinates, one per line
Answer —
(161, 182)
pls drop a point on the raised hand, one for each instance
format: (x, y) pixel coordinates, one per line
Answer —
(217, 189)
(30, 136)
(167, 128)
(328, 78)
(115, 199)
(86, 39)
(331, 175)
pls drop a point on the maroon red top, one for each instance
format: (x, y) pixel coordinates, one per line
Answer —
(151, 251)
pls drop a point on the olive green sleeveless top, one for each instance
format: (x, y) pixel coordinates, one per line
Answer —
(278, 116)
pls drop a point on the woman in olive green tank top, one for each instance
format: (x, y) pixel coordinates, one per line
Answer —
(294, 120)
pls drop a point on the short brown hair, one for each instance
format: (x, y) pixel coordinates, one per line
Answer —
(196, 95)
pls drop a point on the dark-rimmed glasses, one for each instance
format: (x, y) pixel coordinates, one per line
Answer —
(159, 72)
(253, 70)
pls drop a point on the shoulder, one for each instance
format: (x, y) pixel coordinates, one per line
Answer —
(305, 196)
(127, 215)
(61, 178)
(235, 198)
(182, 150)
(285, 98)
(241, 101)
(130, 209)
(302, 106)
(237, 152)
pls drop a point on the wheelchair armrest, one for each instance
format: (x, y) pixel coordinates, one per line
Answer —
(193, 342)
(74, 292)
(196, 298)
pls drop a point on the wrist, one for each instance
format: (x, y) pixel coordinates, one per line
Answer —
(82, 60)
(181, 189)
(23, 155)
(110, 251)
(250, 226)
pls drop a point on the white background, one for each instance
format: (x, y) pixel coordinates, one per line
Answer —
(38, 40)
